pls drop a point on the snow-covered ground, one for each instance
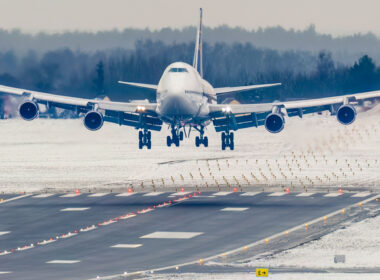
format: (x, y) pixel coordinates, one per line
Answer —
(316, 152)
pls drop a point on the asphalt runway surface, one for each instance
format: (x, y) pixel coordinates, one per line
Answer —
(85, 236)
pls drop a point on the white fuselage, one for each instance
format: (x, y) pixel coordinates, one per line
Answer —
(182, 95)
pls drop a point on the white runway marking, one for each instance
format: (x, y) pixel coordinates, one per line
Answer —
(14, 198)
(277, 194)
(70, 195)
(172, 235)
(249, 194)
(75, 209)
(4, 232)
(5, 272)
(179, 194)
(125, 194)
(126, 246)
(97, 194)
(63, 261)
(237, 209)
(222, 193)
(43, 195)
(305, 194)
(153, 194)
(362, 194)
(332, 195)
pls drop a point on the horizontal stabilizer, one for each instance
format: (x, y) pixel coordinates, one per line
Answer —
(139, 85)
(228, 90)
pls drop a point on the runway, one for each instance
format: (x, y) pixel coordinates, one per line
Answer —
(89, 235)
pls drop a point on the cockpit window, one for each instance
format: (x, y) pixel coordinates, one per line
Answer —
(182, 70)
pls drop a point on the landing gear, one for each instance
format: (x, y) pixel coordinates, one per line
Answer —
(201, 139)
(145, 139)
(228, 140)
(177, 136)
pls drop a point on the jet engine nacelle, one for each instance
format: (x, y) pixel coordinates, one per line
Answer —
(274, 122)
(93, 120)
(29, 110)
(346, 114)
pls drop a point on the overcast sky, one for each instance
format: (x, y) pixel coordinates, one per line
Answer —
(337, 17)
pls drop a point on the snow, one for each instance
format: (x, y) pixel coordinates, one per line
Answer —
(313, 154)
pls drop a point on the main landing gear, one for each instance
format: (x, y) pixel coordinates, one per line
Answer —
(228, 140)
(177, 136)
(201, 139)
(145, 139)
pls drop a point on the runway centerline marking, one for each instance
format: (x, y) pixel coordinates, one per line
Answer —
(5, 272)
(43, 195)
(332, 195)
(153, 194)
(234, 209)
(124, 246)
(305, 194)
(362, 194)
(74, 209)
(98, 194)
(222, 193)
(277, 194)
(178, 194)
(249, 194)
(172, 235)
(70, 195)
(125, 194)
(4, 232)
(63, 261)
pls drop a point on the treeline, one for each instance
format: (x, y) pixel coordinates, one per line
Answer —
(90, 74)
(343, 48)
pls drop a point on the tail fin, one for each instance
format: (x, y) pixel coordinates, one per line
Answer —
(198, 61)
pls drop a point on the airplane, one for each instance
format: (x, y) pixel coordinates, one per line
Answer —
(184, 99)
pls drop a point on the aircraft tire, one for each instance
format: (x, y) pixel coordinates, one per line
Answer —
(181, 136)
(197, 141)
(205, 141)
(168, 141)
(149, 144)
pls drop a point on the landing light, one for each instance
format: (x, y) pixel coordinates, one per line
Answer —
(226, 109)
(140, 108)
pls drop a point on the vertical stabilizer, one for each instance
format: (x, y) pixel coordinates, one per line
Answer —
(198, 61)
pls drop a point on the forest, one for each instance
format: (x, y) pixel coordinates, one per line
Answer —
(303, 74)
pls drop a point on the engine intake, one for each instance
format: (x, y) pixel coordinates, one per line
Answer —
(93, 120)
(29, 110)
(274, 122)
(346, 114)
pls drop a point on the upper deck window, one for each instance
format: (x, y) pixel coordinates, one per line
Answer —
(182, 70)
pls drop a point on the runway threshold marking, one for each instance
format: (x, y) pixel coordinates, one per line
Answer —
(305, 194)
(153, 194)
(332, 195)
(277, 194)
(240, 249)
(362, 194)
(43, 195)
(125, 194)
(4, 232)
(222, 193)
(70, 195)
(98, 194)
(172, 235)
(124, 246)
(74, 209)
(249, 194)
(63, 261)
(234, 209)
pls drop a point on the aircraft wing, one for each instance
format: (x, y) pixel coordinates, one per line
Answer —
(238, 116)
(233, 90)
(122, 113)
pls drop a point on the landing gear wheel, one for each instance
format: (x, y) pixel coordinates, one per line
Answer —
(228, 140)
(197, 141)
(145, 139)
(149, 145)
(176, 141)
(168, 141)
(140, 145)
(181, 136)
(205, 141)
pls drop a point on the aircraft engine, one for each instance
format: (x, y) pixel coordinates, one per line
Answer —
(274, 122)
(29, 110)
(346, 114)
(93, 120)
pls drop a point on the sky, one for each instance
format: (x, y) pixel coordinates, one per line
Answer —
(336, 17)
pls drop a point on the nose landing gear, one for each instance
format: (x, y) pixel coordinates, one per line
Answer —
(177, 136)
(228, 140)
(145, 139)
(201, 139)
